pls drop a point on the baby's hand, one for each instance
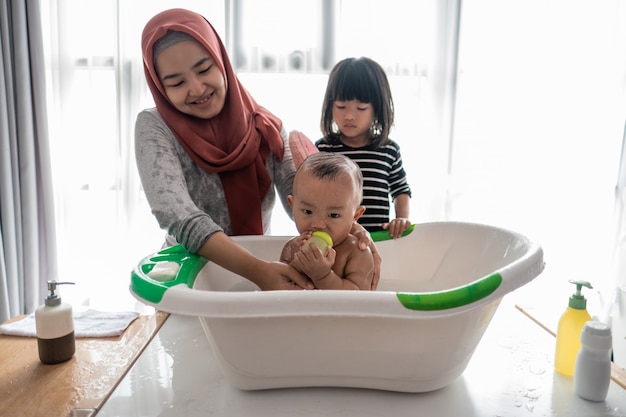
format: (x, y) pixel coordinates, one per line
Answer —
(311, 261)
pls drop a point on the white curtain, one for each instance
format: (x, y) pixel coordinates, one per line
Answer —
(502, 118)
(27, 244)
(104, 224)
(95, 75)
(538, 128)
(619, 264)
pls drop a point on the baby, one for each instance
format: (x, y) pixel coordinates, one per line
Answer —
(326, 196)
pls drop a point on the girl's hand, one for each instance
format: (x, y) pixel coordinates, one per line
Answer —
(397, 226)
(365, 241)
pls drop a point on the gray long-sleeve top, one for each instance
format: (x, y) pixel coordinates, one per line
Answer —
(186, 200)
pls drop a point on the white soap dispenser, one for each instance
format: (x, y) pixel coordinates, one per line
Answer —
(54, 324)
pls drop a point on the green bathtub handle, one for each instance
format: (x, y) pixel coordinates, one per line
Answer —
(151, 289)
(455, 297)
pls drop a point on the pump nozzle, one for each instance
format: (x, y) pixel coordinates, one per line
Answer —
(54, 299)
(577, 300)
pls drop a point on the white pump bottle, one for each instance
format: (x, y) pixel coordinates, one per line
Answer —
(54, 324)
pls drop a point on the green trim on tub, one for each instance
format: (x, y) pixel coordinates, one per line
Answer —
(456, 297)
(152, 290)
(384, 234)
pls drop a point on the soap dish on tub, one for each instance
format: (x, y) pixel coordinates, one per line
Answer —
(440, 286)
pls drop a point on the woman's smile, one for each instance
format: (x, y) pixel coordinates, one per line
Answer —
(192, 80)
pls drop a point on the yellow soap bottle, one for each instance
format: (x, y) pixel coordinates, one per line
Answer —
(568, 333)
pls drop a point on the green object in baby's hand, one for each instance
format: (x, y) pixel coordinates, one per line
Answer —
(322, 240)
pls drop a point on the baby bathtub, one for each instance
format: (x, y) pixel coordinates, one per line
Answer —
(440, 286)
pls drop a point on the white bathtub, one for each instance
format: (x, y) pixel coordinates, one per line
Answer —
(440, 285)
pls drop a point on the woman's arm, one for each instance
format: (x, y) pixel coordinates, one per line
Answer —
(283, 174)
(224, 251)
(162, 170)
(181, 207)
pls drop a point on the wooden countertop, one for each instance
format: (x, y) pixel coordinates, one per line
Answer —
(78, 387)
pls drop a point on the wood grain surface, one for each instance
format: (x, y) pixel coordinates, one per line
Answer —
(77, 387)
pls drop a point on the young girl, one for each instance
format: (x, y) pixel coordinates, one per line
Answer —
(357, 115)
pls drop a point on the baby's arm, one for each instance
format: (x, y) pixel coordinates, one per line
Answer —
(359, 270)
(310, 261)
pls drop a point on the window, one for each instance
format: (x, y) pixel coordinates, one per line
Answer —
(104, 223)
(105, 226)
(523, 131)
(538, 134)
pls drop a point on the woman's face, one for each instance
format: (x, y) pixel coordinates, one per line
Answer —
(192, 80)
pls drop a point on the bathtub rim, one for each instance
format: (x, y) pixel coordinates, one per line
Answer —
(180, 297)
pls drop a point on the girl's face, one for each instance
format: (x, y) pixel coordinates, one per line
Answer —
(354, 120)
(192, 80)
(331, 206)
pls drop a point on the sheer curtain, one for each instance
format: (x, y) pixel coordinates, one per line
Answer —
(27, 244)
(105, 226)
(417, 50)
(619, 261)
(96, 75)
(521, 127)
(539, 126)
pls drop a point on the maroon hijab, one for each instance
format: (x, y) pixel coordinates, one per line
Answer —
(236, 142)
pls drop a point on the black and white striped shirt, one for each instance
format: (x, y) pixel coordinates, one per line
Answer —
(383, 176)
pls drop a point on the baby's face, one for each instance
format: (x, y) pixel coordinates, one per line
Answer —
(331, 206)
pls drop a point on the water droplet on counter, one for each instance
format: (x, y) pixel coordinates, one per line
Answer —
(531, 395)
(537, 368)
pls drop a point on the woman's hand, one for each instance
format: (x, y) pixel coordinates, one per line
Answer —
(365, 241)
(280, 276)
(227, 253)
(292, 246)
(397, 226)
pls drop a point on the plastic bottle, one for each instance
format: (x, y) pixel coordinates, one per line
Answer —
(592, 372)
(322, 240)
(54, 323)
(568, 332)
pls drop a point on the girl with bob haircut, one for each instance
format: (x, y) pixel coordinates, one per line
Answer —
(357, 116)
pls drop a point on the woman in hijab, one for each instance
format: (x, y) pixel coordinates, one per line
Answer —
(210, 158)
